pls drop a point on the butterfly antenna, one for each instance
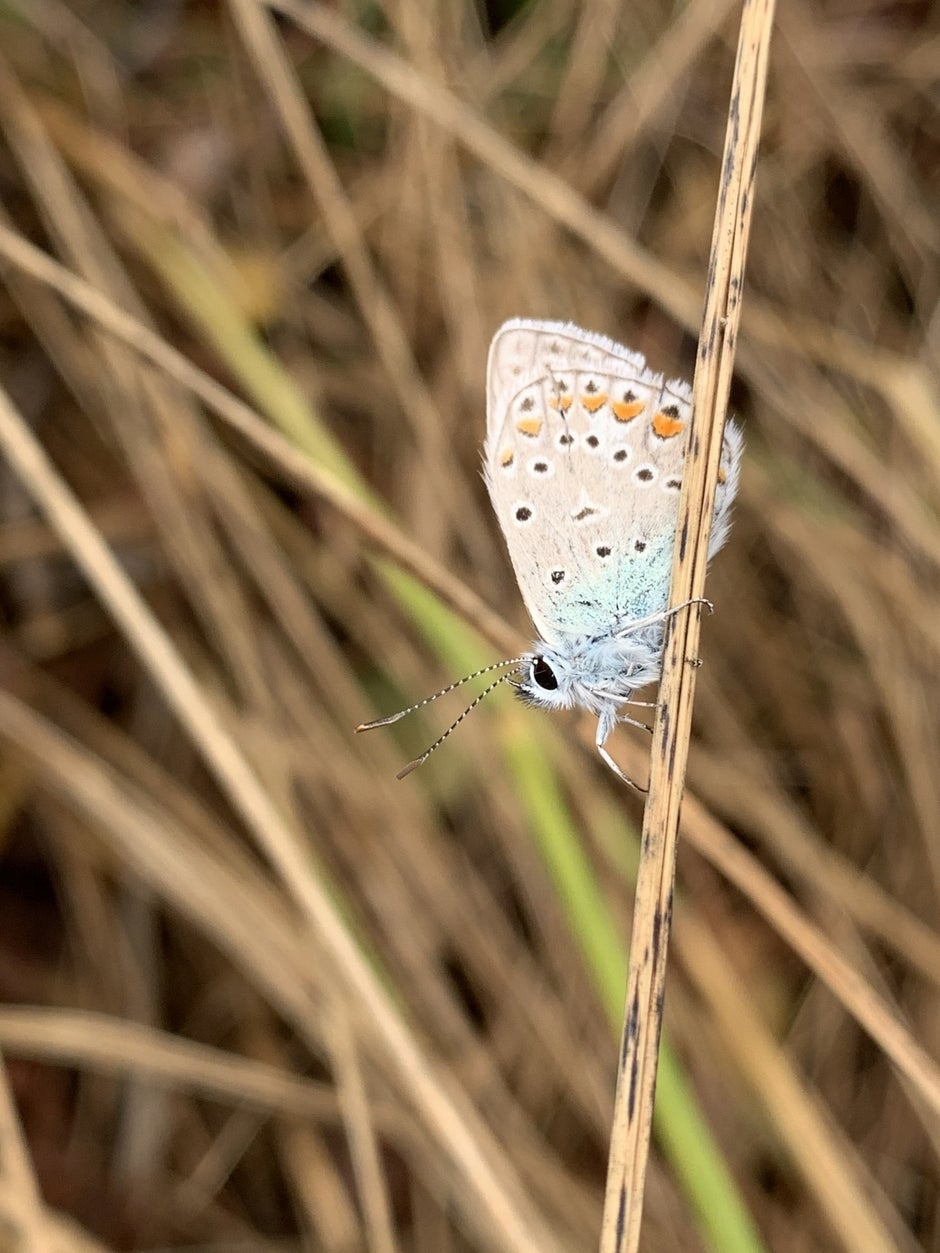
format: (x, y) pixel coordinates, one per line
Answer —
(419, 761)
(387, 722)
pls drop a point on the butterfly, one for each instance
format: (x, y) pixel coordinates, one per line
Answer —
(583, 461)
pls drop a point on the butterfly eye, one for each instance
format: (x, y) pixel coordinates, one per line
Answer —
(544, 675)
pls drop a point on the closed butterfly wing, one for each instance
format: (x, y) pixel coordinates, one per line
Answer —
(584, 457)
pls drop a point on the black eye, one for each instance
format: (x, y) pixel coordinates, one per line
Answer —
(544, 675)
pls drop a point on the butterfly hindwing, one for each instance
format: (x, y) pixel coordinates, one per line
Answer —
(584, 456)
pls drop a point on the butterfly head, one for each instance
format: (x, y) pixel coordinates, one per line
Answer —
(593, 673)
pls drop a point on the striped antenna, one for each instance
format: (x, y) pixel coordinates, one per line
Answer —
(387, 722)
(418, 761)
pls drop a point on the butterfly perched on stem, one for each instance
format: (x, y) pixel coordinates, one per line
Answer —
(583, 459)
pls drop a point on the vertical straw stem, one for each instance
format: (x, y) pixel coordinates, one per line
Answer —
(636, 1079)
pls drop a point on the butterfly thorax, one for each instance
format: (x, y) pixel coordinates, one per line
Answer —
(597, 673)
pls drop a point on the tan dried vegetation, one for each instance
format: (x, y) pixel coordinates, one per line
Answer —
(258, 994)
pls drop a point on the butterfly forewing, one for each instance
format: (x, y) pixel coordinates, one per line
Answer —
(584, 457)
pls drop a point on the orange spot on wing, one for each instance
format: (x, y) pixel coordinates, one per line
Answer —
(722, 477)
(627, 410)
(666, 426)
(561, 402)
(592, 401)
(506, 457)
(529, 426)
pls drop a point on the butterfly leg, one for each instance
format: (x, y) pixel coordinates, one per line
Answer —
(641, 704)
(684, 604)
(604, 726)
(654, 619)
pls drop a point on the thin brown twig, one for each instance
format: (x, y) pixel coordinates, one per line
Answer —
(103, 1044)
(636, 1080)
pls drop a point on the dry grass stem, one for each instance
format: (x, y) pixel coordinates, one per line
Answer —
(711, 389)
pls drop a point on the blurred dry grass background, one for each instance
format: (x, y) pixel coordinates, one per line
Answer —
(328, 210)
